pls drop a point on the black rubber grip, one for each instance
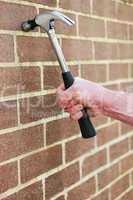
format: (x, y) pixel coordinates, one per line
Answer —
(86, 126)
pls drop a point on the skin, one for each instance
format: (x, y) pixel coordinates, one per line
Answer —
(98, 100)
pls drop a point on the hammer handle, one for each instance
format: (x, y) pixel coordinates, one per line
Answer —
(85, 123)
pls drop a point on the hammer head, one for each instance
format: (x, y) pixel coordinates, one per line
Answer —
(46, 21)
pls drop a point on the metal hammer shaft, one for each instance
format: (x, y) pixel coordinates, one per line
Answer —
(58, 50)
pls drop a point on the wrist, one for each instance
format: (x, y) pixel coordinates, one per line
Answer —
(96, 96)
(108, 98)
(112, 101)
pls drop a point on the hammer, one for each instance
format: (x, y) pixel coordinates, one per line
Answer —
(47, 22)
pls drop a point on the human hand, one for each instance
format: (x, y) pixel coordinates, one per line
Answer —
(82, 94)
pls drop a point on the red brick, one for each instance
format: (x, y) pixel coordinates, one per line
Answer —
(132, 142)
(117, 30)
(39, 163)
(32, 192)
(124, 12)
(12, 17)
(119, 187)
(55, 130)
(55, 73)
(19, 80)
(83, 191)
(77, 5)
(6, 48)
(102, 196)
(77, 49)
(107, 134)
(125, 51)
(126, 86)
(125, 128)
(61, 180)
(32, 49)
(78, 147)
(104, 8)
(8, 176)
(130, 32)
(91, 27)
(46, 2)
(128, 195)
(118, 71)
(36, 108)
(61, 198)
(105, 51)
(99, 120)
(118, 149)
(94, 72)
(19, 142)
(8, 114)
(126, 163)
(107, 176)
(94, 162)
(131, 70)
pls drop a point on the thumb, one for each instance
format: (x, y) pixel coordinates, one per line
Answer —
(64, 94)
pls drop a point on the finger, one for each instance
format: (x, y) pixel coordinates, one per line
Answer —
(73, 92)
(74, 103)
(61, 89)
(78, 100)
(69, 106)
(74, 109)
(63, 98)
(63, 103)
(76, 116)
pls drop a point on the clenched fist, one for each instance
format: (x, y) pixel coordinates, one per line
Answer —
(82, 93)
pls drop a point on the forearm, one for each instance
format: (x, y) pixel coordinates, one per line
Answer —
(118, 105)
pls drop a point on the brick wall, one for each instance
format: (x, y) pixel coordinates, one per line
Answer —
(42, 154)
